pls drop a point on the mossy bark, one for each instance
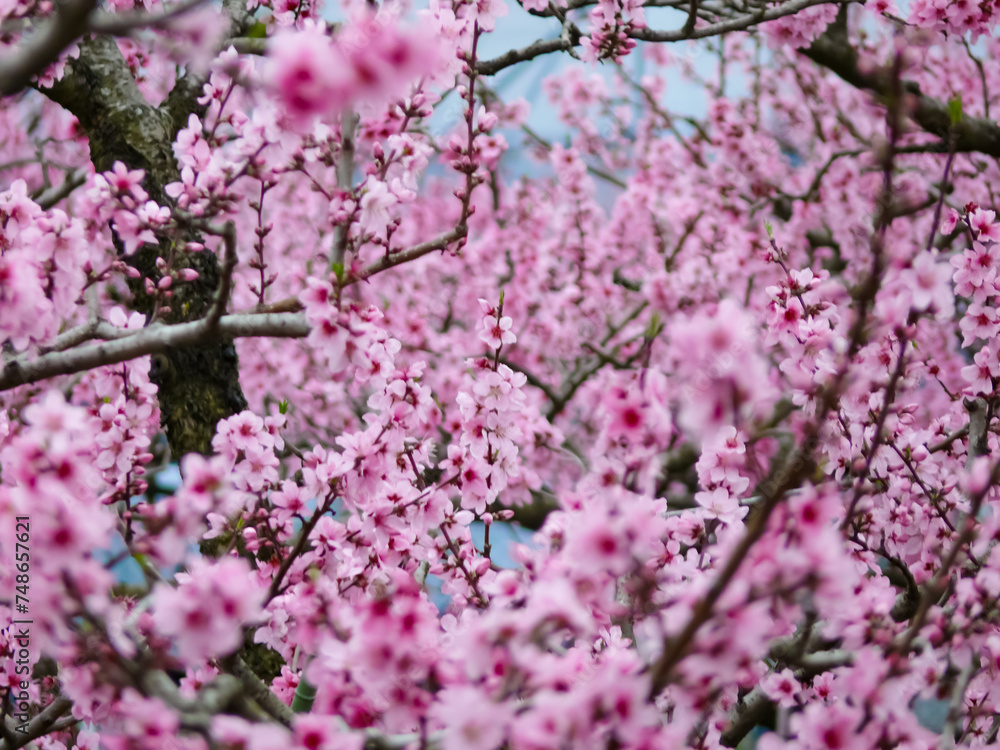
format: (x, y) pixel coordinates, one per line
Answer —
(198, 386)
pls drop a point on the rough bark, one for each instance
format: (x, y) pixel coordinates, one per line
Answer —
(198, 385)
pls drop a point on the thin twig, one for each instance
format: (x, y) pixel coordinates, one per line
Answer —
(299, 547)
(946, 442)
(944, 189)
(229, 258)
(405, 256)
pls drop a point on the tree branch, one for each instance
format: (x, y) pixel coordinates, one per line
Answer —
(182, 101)
(832, 51)
(739, 23)
(345, 178)
(799, 464)
(73, 20)
(756, 707)
(515, 56)
(53, 195)
(255, 689)
(118, 24)
(156, 338)
(946, 442)
(246, 45)
(41, 724)
(68, 25)
(692, 18)
(753, 710)
(405, 256)
(980, 415)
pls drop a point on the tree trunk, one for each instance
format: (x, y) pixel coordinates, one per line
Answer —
(198, 386)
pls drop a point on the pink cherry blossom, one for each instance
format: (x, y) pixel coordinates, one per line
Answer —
(309, 73)
(781, 687)
(330, 368)
(206, 611)
(984, 224)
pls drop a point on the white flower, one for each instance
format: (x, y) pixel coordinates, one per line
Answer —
(376, 200)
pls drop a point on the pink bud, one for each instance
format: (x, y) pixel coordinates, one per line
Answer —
(165, 282)
(487, 120)
(188, 274)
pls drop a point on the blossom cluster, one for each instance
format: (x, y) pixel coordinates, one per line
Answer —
(685, 432)
(370, 60)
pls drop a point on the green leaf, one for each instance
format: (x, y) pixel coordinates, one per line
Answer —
(338, 270)
(769, 228)
(283, 406)
(257, 31)
(955, 109)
